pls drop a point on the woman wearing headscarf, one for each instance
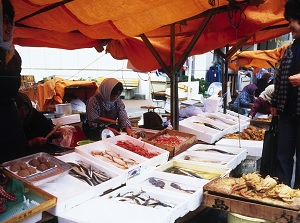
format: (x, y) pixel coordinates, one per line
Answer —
(245, 99)
(36, 125)
(263, 103)
(106, 103)
(12, 140)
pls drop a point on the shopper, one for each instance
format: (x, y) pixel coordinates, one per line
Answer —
(245, 99)
(12, 139)
(107, 103)
(262, 104)
(286, 102)
(262, 83)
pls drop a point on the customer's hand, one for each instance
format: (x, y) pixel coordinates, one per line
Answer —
(273, 111)
(295, 80)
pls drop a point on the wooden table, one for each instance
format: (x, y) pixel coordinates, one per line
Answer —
(250, 209)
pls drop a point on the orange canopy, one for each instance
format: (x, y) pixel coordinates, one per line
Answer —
(77, 24)
(257, 58)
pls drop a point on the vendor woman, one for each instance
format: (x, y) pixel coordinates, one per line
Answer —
(107, 103)
(12, 139)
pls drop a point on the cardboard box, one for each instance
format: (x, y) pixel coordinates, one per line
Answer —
(39, 199)
(174, 150)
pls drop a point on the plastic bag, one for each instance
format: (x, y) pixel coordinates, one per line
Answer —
(190, 111)
(65, 136)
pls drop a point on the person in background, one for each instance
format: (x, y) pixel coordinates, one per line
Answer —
(12, 137)
(262, 83)
(106, 103)
(245, 99)
(262, 104)
(78, 106)
(286, 102)
(36, 125)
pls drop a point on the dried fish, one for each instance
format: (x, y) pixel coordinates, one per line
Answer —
(176, 186)
(204, 160)
(156, 182)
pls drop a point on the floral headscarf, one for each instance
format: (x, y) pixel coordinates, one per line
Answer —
(267, 93)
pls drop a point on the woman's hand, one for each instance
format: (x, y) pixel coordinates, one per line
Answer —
(37, 142)
(114, 131)
(130, 133)
(295, 80)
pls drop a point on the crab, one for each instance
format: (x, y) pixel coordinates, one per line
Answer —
(283, 192)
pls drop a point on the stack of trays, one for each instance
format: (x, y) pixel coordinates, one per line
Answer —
(140, 164)
(213, 155)
(129, 209)
(205, 129)
(253, 148)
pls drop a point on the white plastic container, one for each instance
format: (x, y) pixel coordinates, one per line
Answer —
(65, 109)
(237, 218)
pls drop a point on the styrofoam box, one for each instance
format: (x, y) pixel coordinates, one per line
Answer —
(68, 195)
(203, 133)
(219, 118)
(254, 148)
(180, 206)
(185, 182)
(233, 160)
(109, 211)
(34, 218)
(115, 181)
(243, 121)
(154, 161)
(85, 150)
(214, 171)
(235, 114)
(227, 125)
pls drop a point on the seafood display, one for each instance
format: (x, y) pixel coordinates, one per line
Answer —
(126, 144)
(87, 173)
(252, 186)
(216, 151)
(141, 198)
(114, 159)
(169, 140)
(192, 173)
(204, 160)
(161, 184)
(250, 133)
(209, 125)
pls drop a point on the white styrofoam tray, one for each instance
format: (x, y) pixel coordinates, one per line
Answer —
(243, 121)
(108, 211)
(254, 148)
(221, 118)
(228, 125)
(235, 155)
(133, 170)
(203, 133)
(207, 172)
(115, 181)
(235, 114)
(186, 183)
(68, 195)
(180, 205)
(162, 157)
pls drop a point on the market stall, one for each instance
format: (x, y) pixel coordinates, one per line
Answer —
(52, 92)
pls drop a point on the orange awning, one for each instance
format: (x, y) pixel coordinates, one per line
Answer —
(257, 58)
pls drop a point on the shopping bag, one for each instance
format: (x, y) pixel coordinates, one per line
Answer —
(269, 152)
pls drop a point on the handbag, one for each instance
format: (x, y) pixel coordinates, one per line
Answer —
(269, 152)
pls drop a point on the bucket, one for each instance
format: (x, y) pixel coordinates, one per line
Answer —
(237, 218)
(65, 109)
